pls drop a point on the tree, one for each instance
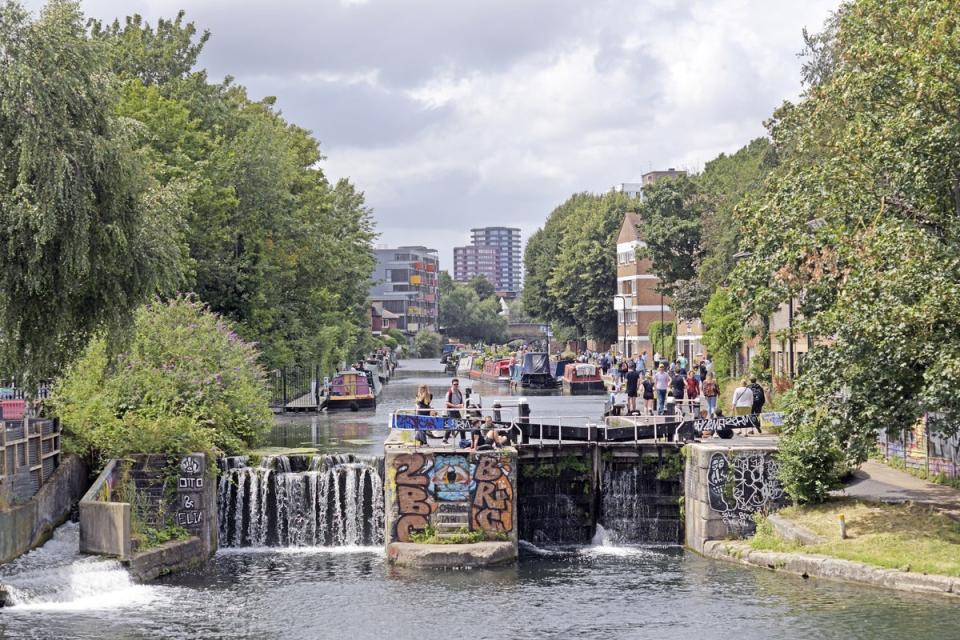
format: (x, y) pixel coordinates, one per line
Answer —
(671, 213)
(723, 331)
(858, 224)
(84, 237)
(663, 337)
(583, 278)
(482, 286)
(427, 344)
(273, 244)
(465, 316)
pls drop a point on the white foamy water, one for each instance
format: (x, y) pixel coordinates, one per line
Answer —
(56, 577)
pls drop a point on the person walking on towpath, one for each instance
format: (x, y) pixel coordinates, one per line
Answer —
(711, 391)
(633, 380)
(648, 395)
(661, 381)
(759, 399)
(678, 385)
(454, 404)
(693, 386)
(742, 399)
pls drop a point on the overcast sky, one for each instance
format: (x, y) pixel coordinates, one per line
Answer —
(452, 114)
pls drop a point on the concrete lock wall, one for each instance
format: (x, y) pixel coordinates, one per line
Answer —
(447, 491)
(29, 525)
(725, 486)
(180, 488)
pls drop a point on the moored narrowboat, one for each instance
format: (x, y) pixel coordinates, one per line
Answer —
(497, 370)
(476, 368)
(464, 365)
(533, 372)
(350, 390)
(582, 378)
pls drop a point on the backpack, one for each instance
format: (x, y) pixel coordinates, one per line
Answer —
(758, 397)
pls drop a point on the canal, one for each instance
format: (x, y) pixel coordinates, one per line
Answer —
(596, 591)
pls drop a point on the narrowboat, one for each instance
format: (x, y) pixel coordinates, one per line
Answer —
(350, 390)
(533, 372)
(448, 350)
(559, 367)
(496, 370)
(476, 368)
(464, 365)
(582, 378)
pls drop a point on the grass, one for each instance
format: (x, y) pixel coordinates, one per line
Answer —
(907, 537)
(463, 536)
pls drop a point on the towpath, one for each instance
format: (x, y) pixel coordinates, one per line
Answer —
(876, 481)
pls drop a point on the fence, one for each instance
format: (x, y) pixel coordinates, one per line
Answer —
(923, 448)
(10, 391)
(289, 384)
(29, 454)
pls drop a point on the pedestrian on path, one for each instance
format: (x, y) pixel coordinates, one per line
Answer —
(742, 399)
(759, 399)
(648, 395)
(633, 380)
(661, 381)
(711, 391)
(454, 404)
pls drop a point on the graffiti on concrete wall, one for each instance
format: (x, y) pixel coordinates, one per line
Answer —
(741, 484)
(480, 486)
(414, 503)
(492, 508)
(925, 447)
(451, 478)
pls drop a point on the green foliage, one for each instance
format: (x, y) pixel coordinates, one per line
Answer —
(464, 315)
(482, 286)
(462, 536)
(671, 213)
(663, 337)
(273, 244)
(570, 264)
(811, 454)
(85, 235)
(723, 331)
(186, 382)
(427, 344)
(858, 224)
(155, 56)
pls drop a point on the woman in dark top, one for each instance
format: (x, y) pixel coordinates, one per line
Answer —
(648, 394)
(424, 398)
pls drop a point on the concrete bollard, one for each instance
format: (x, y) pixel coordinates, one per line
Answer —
(843, 527)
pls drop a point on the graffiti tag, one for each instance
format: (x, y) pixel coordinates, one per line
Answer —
(492, 508)
(414, 504)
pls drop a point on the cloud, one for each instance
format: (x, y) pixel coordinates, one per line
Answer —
(451, 115)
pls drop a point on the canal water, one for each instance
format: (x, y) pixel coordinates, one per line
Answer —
(596, 591)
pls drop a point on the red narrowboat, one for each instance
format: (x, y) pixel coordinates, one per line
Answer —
(496, 370)
(582, 378)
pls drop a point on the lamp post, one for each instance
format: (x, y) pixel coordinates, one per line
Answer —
(662, 328)
(620, 304)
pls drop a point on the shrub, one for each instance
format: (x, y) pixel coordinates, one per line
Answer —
(810, 456)
(186, 382)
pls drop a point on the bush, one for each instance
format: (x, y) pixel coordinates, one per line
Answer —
(186, 382)
(427, 344)
(811, 459)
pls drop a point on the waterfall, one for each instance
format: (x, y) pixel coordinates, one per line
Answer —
(301, 501)
(637, 506)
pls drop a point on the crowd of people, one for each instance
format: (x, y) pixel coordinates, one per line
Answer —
(483, 433)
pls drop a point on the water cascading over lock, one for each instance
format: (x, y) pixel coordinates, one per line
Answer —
(296, 501)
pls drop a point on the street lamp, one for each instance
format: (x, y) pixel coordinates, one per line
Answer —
(620, 304)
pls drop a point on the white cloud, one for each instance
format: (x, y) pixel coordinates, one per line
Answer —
(456, 114)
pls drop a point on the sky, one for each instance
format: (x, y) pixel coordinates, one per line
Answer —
(453, 114)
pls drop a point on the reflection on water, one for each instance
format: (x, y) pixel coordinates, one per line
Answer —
(364, 431)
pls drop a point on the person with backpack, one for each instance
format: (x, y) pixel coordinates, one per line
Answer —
(455, 404)
(759, 399)
(711, 391)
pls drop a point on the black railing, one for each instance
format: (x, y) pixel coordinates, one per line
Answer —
(10, 391)
(288, 385)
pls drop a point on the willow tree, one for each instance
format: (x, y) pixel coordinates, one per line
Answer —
(83, 236)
